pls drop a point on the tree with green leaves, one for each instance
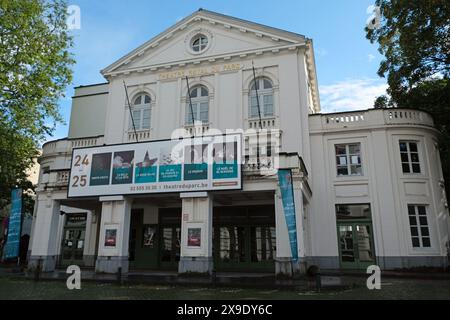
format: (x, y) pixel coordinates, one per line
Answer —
(35, 69)
(414, 38)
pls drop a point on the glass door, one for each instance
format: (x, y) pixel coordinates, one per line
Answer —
(73, 240)
(355, 241)
(73, 246)
(170, 247)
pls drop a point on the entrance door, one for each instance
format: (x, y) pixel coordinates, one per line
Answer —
(143, 245)
(170, 238)
(244, 238)
(355, 244)
(73, 239)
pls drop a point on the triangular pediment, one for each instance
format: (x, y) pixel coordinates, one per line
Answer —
(226, 35)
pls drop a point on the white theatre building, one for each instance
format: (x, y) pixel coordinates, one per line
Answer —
(368, 185)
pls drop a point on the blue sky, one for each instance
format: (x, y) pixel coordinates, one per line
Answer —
(346, 62)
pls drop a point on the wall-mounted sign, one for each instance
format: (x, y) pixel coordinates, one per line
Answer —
(111, 238)
(194, 237)
(188, 165)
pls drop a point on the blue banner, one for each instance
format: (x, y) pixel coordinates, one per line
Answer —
(15, 219)
(287, 197)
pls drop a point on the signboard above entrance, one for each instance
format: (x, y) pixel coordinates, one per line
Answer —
(188, 165)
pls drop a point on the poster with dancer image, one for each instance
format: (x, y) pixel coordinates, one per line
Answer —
(123, 167)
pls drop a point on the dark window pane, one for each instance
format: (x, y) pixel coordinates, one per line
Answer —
(403, 147)
(416, 168)
(412, 221)
(413, 147)
(204, 92)
(422, 210)
(405, 168)
(426, 242)
(147, 99)
(404, 157)
(411, 210)
(414, 157)
(138, 100)
(342, 171)
(353, 211)
(425, 232)
(340, 149)
(423, 221)
(415, 242)
(414, 232)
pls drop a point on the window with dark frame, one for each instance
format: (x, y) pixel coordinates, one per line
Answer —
(418, 222)
(409, 154)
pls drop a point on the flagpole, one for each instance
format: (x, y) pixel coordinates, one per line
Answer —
(190, 102)
(131, 113)
(258, 161)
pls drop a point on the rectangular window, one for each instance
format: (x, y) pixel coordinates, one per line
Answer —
(254, 108)
(268, 105)
(418, 222)
(353, 211)
(409, 154)
(141, 118)
(146, 119)
(348, 159)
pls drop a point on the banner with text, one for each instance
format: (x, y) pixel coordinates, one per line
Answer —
(287, 197)
(187, 165)
(14, 227)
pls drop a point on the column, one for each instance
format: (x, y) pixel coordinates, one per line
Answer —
(114, 235)
(44, 246)
(90, 241)
(196, 233)
(284, 265)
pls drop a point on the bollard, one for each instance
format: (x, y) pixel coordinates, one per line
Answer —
(214, 277)
(318, 282)
(37, 270)
(119, 275)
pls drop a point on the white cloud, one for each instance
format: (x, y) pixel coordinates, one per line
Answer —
(371, 57)
(351, 94)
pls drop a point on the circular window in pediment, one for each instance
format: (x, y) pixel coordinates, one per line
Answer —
(198, 41)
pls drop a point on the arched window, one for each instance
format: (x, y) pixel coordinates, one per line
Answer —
(200, 105)
(141, 112)
(265, 94)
